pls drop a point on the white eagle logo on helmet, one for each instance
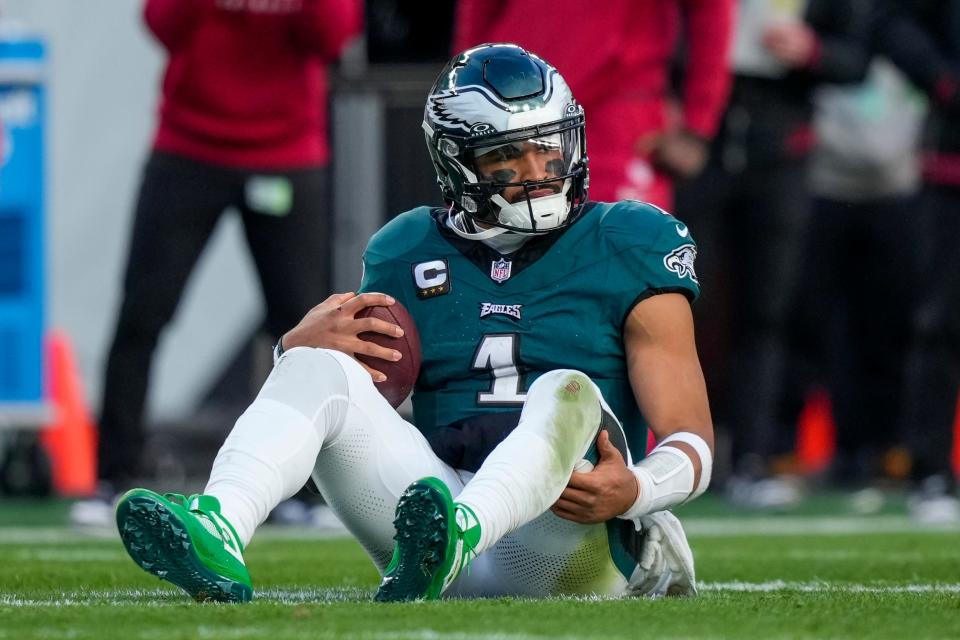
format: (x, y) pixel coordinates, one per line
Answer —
(467, 108)
(477, 109)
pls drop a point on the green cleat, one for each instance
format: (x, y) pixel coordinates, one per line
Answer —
(435, 538)
(185, 541)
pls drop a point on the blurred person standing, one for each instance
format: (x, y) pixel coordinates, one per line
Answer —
(923, 39)
(852, 313)
(752, 206)
(242, 124)
(618, 60)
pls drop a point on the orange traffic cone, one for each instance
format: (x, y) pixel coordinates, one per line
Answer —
(70, 438)
(816, 432)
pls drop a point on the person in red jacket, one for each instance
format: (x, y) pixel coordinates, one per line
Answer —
(617, 61)
(242, 125)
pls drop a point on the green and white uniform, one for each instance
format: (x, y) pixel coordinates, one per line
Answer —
(492, 324)
(499, 334)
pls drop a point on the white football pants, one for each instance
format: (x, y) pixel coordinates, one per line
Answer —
(319, 414)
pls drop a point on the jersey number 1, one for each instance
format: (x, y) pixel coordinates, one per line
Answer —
(499, 354)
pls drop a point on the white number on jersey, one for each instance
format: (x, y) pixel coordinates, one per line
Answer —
(498, 353)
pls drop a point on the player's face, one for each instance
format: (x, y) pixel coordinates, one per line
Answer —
(522, 161)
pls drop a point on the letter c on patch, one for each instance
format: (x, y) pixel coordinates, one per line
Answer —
(430, 274)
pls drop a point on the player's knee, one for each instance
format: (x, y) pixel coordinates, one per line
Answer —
(562, 382)
(304, 378)
(572, 398)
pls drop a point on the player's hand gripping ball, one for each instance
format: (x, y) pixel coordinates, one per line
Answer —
(402, 374)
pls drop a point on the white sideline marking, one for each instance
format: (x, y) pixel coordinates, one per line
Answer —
(785, 525)
(60, 535)
(840, 555)
(831, 587)
(431, 634)
(51, 535)
(216, 632)
(55, 554)
(169, 597)
(806, 526)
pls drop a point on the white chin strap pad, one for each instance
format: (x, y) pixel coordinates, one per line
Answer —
(665, 477)
(549, 212)
(485, 234)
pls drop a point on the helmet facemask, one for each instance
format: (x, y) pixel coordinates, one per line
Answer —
(526, 180)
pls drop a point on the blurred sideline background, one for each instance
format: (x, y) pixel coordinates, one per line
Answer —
(101, 77)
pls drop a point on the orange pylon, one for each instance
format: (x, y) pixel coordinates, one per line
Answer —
(816, 432)
(70, 439)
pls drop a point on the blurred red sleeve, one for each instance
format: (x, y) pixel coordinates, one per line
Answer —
(172, 21)
(327, 25)
(709, 28)
(473, 21)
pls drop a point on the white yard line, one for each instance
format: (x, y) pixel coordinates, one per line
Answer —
(787, 525)
(831, 587)
(227, 633)
(61, 535)
(946, 554)
(51, 553)
(784, 525)
(296, 597)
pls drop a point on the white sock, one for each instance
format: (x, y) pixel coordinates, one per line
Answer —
(273, 447)
(528, 471)
(266, 459)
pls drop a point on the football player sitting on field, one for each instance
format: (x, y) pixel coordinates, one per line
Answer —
(555, 332)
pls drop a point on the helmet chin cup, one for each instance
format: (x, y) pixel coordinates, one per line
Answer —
(545, 213)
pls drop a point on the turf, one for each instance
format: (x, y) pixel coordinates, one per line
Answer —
(760, 578)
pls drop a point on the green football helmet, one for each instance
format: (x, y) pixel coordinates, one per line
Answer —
(489, 104)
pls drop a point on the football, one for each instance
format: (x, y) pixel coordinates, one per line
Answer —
(401, 375)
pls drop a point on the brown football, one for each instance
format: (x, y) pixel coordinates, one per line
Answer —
(402, 374)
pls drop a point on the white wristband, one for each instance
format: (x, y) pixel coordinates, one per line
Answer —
(703, 451)
(665, 477)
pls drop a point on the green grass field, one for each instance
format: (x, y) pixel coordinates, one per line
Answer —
(813, 573)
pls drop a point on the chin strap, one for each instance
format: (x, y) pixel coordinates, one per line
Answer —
(499, 239)
(452, 223)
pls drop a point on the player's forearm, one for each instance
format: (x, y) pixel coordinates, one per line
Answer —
(668, 383)
(676, 471)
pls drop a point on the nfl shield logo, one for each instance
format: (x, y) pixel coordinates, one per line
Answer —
(500, 270)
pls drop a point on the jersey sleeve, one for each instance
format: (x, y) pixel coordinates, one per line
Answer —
(653, 253)
(382, 274)
(387, 258)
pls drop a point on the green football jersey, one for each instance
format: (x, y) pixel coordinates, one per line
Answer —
(491, 324)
